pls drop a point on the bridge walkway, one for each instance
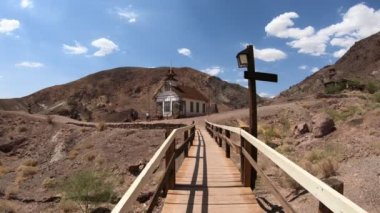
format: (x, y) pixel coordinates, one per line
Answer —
(207, 181)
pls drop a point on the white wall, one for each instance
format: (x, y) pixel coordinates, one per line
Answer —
(194, 113)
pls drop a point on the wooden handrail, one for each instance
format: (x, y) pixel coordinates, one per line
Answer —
(130, 196)
(324, 193)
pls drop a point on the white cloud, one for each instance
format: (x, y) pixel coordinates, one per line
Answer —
(214, 71)
(269, 54)
(128, 14)
(339, 53)
(105, 46)
(243, 82)
(30, 64)
(265, 95)
(26, 4)
(282, 27)
(77, 49)
(184, 51)
(8, 25)
(314, 69)
(358, 22)
(303, 67)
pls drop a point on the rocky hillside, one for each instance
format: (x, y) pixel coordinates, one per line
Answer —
(358, 69)
(110, 95)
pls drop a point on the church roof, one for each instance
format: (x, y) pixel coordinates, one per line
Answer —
(189, 92)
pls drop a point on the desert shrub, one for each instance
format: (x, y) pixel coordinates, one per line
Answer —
(24, 172)
(376, 147)
(22, 129)
(372, 87)
(90, 157)
(344, 114)
(287, 182)
(86, 188)
(68, 206)
(11, 192)
(30, 162)
(4, 170)
(73, 154)
(49, 119)
(6, 207)
(328, 167)
(285, 149)
(334, 88)
(377, 97)
(49, 183)
(333, 151)
(101, 126)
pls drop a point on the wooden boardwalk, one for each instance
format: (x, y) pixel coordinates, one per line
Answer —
(207, 181)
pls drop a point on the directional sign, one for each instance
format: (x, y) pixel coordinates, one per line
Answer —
(260, 76)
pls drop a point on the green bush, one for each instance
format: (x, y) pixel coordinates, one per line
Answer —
(87, 188)
(334, 88)
(372, 88)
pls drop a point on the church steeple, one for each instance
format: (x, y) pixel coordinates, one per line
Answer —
(170, 80)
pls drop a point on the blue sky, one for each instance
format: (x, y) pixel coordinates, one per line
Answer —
(45, 43)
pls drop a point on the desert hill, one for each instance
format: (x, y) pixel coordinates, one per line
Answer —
(110, 95)
(358, 69)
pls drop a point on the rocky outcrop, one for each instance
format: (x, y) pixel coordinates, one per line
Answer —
(322, 125)
(301, 129)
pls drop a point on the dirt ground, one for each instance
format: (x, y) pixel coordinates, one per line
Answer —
(60, 150)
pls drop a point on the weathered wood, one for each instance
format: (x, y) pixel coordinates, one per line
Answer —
(208, 182)
(228, 151)
(170, 166)
(185, 138)
(287, 207)
(335, 184)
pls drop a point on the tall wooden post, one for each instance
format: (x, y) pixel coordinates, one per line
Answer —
(228, 136)
(185, 138)
(246, 59)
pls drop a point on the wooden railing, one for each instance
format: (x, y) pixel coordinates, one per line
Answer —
(170, 152)
(330, 198)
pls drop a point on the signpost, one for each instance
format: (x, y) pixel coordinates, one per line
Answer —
(246, 60)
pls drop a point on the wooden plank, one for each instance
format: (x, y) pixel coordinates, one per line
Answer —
(209, 182)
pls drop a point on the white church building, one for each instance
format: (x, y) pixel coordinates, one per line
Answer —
(175, 100)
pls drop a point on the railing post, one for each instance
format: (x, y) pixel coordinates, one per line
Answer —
(170, 166)
(228, 135)
(220, 141)
(248, 174)
(185, 138)
(335, 184)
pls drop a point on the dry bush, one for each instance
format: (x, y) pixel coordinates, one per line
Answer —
(99, 160)
(23, 172)
(90, 156)
(49, 119)
(87, 144)
(309, 167)
(316, 155)
(22, 129)
(49, 183)
(4, 170)
(287, 182)
(30, 162)
(6, 207)
(11, 192)
(375, 148)
(73, 154)
(328, 168)
(101, 126)
(285, 149)
(68, 206)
